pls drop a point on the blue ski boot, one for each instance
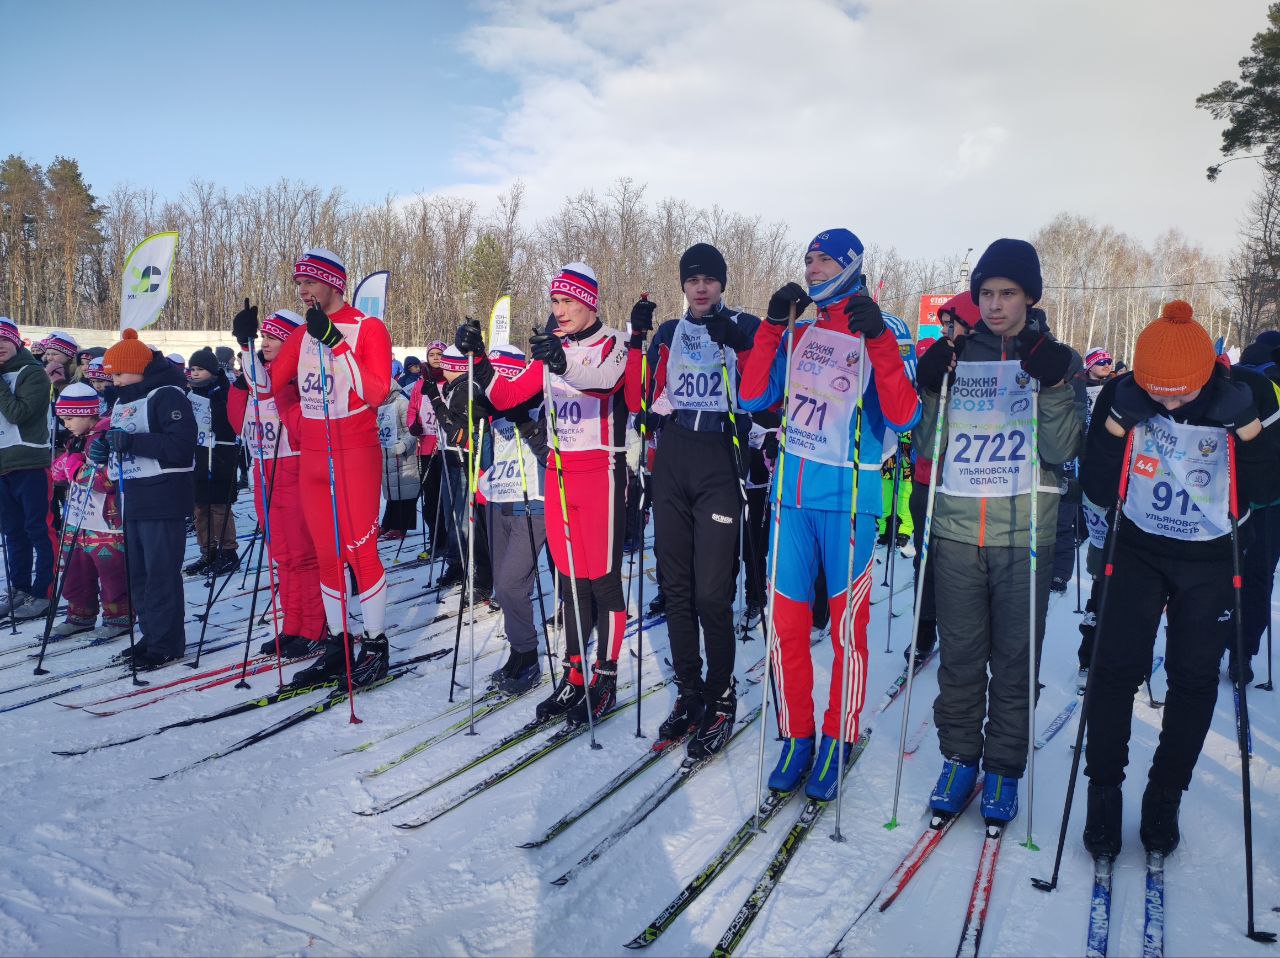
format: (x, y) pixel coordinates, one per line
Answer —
(824, 778)
(999, 799)
(796, 757)
(953, 788)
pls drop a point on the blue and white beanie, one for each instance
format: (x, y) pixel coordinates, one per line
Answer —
(846, 249)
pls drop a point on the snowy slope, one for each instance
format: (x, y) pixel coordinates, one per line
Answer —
(261, 852)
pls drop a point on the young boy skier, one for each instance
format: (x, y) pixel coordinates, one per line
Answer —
(95, 567)
(848, 385)
(25, 484)
(981, 522)
(1181, 411)
(153, 437)
(216, 463)
(275, 458)
(697, 487)
(333, 377)
(586, 363)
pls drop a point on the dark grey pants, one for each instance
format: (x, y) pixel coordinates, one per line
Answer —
(154, 549)
(983, 612)
(513, 574)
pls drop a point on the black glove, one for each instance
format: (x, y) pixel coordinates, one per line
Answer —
(244, 328)
(780, 303)
(321, 328)
(1231, 404)
(415, 429)
(937, 361)
(118, 439)
(864, 316)
(1131, 405)
(725, 333)
(99, 451)
(1043, 358)
(469, 338)
(641, 320)
(519, 415)
(430, 389)
(547, 349)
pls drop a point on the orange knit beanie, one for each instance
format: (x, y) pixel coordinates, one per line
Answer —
(1174, 355)
(130, 355)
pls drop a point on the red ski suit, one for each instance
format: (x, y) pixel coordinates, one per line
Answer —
(297, 609)
(358, 372)
(591, 422)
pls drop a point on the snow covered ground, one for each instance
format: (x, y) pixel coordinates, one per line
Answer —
(261, 852)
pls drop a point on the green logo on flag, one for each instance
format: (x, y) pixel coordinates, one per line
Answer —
(147, 280)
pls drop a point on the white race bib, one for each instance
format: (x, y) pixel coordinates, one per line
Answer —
(577, 418)
(989, 425)
(694, 377)
(261, 442)
(132, 418)
(87, 509)
(1095, 521)
(337, 376)
(202, 408)
(10, 435)
(388, 425)
(826, 384)
(502, 481)
(1179, 483)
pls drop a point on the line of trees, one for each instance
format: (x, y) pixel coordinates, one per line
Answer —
(62, 252)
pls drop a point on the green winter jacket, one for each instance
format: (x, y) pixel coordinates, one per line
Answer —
(26, 405)
(1006, 521)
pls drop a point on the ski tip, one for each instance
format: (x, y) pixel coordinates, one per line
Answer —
(642, 940)
(534, 844)
(561, 881)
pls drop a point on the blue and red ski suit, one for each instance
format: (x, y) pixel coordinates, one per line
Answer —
(813, 525)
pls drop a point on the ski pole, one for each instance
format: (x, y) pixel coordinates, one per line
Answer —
(893, 526)
(452, 514)
(128, 573)
(641, 611)
(846, 625)
(463, 597)
(549, 400)
(1108, 570)
(265, 490)
(1075, 542)
(245, 556)
(533, 552)
(325, 379)
(8, 584)
(1242, 688)
(1267, 686)
(944, 398)
(435, 462)
(770, 633)
(1032, 616)
(473, 470)
(64, 561)
(222, 535)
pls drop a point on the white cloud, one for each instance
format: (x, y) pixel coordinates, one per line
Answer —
(926, 124)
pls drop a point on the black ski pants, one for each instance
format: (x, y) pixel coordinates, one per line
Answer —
(759, 507)
(153, 550)
(1199, 601)
(918, 502)
(697, 514)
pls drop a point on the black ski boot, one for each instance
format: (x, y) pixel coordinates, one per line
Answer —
(201, 565)
(1104, 821)
(225, 562)
(496, 675)
(685, 714)
(375, 655)
(926, 639)
(1159, 830)
(520, 674)
(330, 665)
(604, 693)
(567, 696)
(452, 576)
(659, 605)
(300, 647)
(715, 728)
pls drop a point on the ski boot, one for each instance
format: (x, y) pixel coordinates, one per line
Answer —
(793, 763)
(659, 605)
(200, 566)
(225, 562)
(1082, 679)
(520, 674)
(1159, 829)
(568, 694)
(68, 628)
(149, 661)
(496, 675)
(823, 779)
(330, 665)
(753, 616)
(1104, 821)
(999, 799)
(685, 714)
(926, 641)
(715, 727)
(137, 651)
(954, 787)
(604, 693)
(452, 576)
(27, 607)
(109, 630)
(371, 664)
(906, 548)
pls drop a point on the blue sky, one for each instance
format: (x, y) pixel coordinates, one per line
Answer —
(929, 125)
(156, 93)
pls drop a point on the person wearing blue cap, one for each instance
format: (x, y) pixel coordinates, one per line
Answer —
(1010, 401)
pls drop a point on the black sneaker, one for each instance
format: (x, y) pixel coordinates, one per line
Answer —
(1104, 821)
(715, 727)
(1159, 829)
(520, 674)
(371, 665)
(604, 693)
(659, 605)
(567, 696)
(200, 566)
(685, 714)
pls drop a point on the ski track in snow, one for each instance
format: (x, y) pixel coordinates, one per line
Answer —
(260, 852)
